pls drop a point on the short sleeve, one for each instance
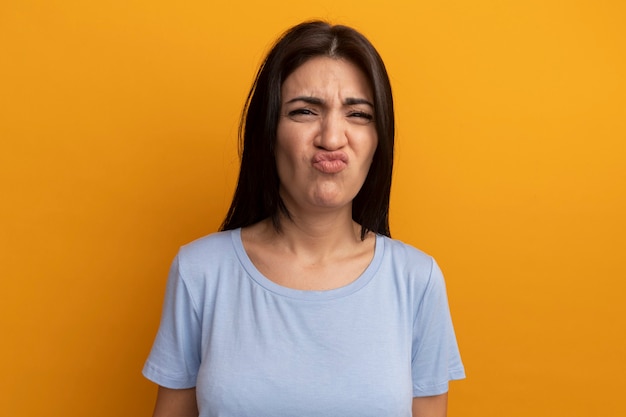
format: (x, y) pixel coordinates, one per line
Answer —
(435, 354)
(175, 356)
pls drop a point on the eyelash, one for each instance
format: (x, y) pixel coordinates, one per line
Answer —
(362, 114)
(309, 112)
(304, 112)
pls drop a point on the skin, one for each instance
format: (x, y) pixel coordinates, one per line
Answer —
(434, 406)
(175, 403)
(326, 108)
(326, 113)
(326, 140)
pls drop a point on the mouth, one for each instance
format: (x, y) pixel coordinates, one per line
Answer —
(330, 162)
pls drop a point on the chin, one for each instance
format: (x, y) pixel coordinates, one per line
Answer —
(329, 204)
(328, 201)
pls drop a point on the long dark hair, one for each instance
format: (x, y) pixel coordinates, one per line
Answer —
(257, 194)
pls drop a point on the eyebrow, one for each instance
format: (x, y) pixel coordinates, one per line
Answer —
(318, 101)
(351, 101)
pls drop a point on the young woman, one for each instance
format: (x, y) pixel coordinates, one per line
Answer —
(302, 305)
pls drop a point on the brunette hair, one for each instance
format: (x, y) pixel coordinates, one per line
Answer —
(257, 194)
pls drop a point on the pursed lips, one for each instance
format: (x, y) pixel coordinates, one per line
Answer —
(330, 162)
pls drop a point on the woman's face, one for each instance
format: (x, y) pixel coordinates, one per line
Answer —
(326, 135)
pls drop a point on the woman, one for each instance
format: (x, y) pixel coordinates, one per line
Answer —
(303, 305)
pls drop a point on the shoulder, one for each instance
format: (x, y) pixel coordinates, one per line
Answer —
(204, 257)
(203, 249)
(406, 256)
(418, 274)
(410, 268)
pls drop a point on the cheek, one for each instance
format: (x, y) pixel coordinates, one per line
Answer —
(285, 155)
(367, 165)
(374, 147)
(292, 143)
(370, 147)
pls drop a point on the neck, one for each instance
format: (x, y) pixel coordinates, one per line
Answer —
(316, 236)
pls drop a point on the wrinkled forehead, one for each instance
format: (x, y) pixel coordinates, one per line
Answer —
(327, 77)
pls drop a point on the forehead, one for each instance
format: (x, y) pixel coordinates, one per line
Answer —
(325, 76)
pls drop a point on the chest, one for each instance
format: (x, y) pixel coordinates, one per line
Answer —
(276, 357)
(311, 275)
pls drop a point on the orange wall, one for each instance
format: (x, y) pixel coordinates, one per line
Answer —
(118, 122)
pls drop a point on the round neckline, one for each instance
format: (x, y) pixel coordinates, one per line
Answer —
(255, 275)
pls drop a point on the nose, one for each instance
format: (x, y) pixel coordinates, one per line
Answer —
(333, 133)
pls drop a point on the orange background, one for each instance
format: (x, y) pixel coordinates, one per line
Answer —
(118, 128)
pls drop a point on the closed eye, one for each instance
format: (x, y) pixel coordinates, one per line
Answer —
(361, 116)
(302, 114)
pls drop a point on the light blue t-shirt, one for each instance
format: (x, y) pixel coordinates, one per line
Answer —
(253, 348)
